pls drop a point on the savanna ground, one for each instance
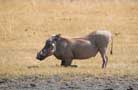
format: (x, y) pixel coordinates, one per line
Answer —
(26, 24)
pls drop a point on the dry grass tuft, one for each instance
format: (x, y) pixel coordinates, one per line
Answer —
(25, 26)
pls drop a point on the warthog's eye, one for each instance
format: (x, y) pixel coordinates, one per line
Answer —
(51, 47)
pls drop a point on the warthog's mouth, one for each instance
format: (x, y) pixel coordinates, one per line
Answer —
(40, 57)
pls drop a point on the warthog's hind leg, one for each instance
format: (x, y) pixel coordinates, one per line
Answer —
(105, 61)
(104, 57)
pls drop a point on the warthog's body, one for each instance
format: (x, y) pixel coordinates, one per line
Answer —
(78, 48)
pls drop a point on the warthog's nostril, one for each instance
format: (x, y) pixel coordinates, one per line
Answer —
(41, 52)
(40, 55)
(37, 56)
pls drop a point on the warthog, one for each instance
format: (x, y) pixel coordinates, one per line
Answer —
(77, 48)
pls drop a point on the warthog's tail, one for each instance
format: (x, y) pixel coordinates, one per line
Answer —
(111, 52)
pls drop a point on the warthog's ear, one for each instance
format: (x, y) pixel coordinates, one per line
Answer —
(56, 37)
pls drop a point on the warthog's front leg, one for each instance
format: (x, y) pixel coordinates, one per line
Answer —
(62, 62)
(67, 63)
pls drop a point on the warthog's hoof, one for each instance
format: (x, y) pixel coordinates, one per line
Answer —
(70, 66)
(74, 66)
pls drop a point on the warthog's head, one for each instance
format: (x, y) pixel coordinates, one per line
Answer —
(49, 48)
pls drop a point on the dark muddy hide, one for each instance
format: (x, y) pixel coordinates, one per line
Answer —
(46, 51)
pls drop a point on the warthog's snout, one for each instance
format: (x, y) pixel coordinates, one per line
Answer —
(47, 50)
(40, 56)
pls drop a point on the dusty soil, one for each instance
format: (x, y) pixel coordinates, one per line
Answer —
(56, 82)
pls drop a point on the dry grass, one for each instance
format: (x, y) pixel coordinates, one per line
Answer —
(26, 24)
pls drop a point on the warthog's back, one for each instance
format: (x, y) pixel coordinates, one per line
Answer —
(106, 34)
(100, 38)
